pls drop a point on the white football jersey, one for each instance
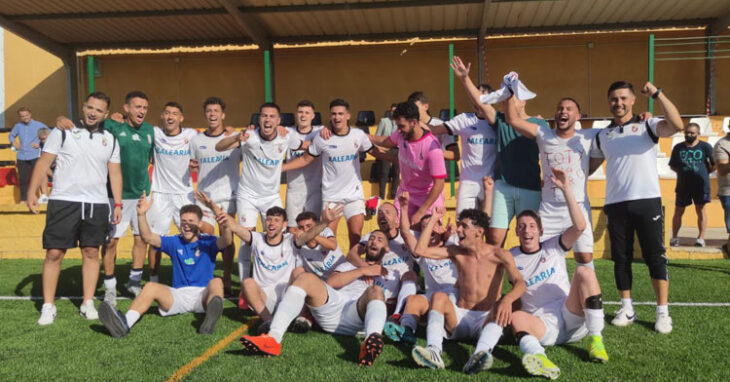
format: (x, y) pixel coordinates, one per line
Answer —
(545, 274)
(217, 171)
(440, 275)
(396, 245)
(478, 145)
(309, 178)
(171, 173)
(571, 155)
(262, 160)
(341, 180)
(318, 260)
(272, 264)
(390, 282)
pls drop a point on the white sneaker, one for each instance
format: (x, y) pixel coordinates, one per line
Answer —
(624, 317)
(48, 314)
(428, 356)
(663, 324)
(110, 297)
(674, 242)
(700, 242)
(88, 311)
(43, 199)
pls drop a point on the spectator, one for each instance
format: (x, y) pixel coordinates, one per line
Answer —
(721, 153)
(28, 147)
(42, 136)
(388, 169)
(693, 163)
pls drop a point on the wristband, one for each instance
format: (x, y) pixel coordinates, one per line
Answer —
(117, 205)
(656, 94)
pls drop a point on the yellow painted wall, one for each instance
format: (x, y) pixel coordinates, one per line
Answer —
(33, 78)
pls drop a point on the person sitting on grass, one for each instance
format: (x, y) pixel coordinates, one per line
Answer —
(193, 255)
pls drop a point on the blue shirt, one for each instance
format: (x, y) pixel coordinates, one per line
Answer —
(28, 135)
(192, 263)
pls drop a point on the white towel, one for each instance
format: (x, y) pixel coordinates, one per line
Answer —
(511, 84)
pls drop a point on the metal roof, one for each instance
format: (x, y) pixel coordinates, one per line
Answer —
(70, 25)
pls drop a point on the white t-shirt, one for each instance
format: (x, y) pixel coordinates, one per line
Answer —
(217, 171)
(630, 153)
(309, 178)
(479, 145)
(396, 245)
(81, 164)
(272, 265)
(568, 154)
(318, 260)
(262, 160)
(341, 180)
(444, 139)
(171, 173)
(545, 274)
(390, 282)
(440, 275)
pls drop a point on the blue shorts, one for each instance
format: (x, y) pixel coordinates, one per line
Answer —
(509, 201)
(725, 201)
(696, 195)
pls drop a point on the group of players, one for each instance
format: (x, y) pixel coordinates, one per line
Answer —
(293, 274)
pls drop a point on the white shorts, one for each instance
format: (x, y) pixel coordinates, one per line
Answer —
(339, 314)
(298, 201)
(469, 324)
(453, 294)
(274, 293)
(250, 209)
(469, 196)
(228, 205)
(561, 326)
(556, 219)
(185, 300)
(353, 208)
(165, 210)
(129, 216)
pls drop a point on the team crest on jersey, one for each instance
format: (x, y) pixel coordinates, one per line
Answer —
(77, 134)
(420, 156)
(281, 148)
(185, 140)
(474, 128)
(104, 141)
(354, 144)
(197, 253)
(135, 137)
(190, 261)
(542, 260)
(634, 128)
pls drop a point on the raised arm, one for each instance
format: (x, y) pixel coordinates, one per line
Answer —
(570, 236)
(354, 256)
(405, 222)
(225, 222)
(433, 194)
(672, 122)
(512, 116)
(462, 72)
(328, 216)
(143, 205)
(422, 249)
(503, 309)
(488, 200)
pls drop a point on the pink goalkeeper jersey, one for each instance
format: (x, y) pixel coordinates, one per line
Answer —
(421, 162)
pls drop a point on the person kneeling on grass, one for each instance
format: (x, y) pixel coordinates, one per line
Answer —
(193, 254)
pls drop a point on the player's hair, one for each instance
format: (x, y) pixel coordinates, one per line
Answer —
(276, 211)
(340, 102)
(478, 217)
(532, 214)
(23, 108)
(407, 110)
(307, 215)
(175, 105)
(394, 104)
(191, 208)
(135, 94)
(43, 132)
(305, 103)
(571, 100)
(487, 87)
(381, 231)
(214, 101)
(620, 85)
(101, 96)
(693, 124)
(417, 97)
(270, 104)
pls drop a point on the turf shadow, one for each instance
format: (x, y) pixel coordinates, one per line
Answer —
(579, 352)
(646, 324)
(514, 368)
(699, 267)
(350, 347)
(458, 353)
(101, 329)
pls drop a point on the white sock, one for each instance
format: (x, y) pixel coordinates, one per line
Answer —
(110, 284)
(594, 321)
(375, 315)
(244, 261)
(662, 310)
(408, 321)
(530, 345)
(435, 330)
(489, 337)
(626, 303)
(587, 265)
(406, 289)
(132, 317)
(288, 309)
(154, 278)
(135, 274)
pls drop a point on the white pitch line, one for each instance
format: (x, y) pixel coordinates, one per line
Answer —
(234, 299)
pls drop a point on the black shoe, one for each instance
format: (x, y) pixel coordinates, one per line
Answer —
(212, 313)
(114, 321)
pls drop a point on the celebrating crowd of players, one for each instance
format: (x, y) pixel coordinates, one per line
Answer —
(293, 274)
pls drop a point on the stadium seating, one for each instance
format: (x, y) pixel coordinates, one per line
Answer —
(578, 126)
(599, 174)
(726, 125)
(317, 119)
(600, 124)
(255, 119)
(663, 169)
(705, 125)
(287, 119)
(444, 114)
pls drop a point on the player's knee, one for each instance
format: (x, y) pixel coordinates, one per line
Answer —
(249, 284)
(594, 302)
(415, 299)
(583, 274)
(304, 278)
(409, 276)
(439, 300)
(216, 282)
(375, 292)
(54, 256)
(91, 253)
(658, 267)
(519, 322)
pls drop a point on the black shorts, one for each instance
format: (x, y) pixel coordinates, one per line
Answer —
(645, 217)
(76, 224)
(696, 195)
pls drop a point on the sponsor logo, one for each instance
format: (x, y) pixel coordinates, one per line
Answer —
(135, 137)
(333, 146)
(203, 147)
(540, 277)
(267, 162)
(189, 261)
(481, 141)
(149, 139)
(655, 218)
(122, 134)
(343, 158)
(163, 151)
(271, 267)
